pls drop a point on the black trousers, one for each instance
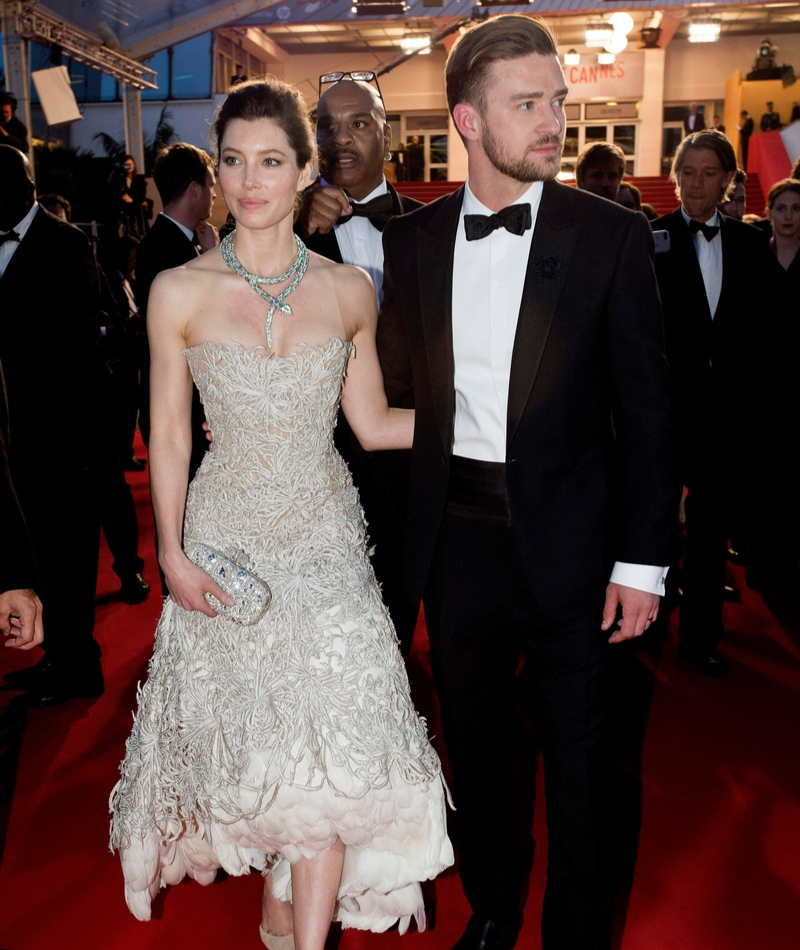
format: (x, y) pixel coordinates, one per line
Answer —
(64, 526)
(481, 614)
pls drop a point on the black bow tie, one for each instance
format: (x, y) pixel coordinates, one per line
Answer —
(8, 236)
(378, 211)
(709, 232)
(514, 218)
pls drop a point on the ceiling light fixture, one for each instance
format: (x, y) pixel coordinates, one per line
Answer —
(606, 59)
(571, 58)
(598, 33)
(704, 31)
(617, 43)
(412, 44)
(622, 22)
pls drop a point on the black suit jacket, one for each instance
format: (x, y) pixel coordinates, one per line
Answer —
(49, 300)
(699, 124)
(720, 367)
(17, 562)
(588, 342)
(326, 245)
(163, 247)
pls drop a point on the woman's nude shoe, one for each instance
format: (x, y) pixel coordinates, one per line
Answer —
(276, 941)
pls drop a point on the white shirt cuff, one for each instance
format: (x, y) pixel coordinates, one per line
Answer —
(640, 576)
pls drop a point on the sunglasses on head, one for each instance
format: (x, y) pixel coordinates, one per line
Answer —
(357, 75)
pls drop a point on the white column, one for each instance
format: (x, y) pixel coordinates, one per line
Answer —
(134, 138)
(651, 114)
(15, 58)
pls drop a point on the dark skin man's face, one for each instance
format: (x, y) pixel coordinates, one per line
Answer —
(353, 138)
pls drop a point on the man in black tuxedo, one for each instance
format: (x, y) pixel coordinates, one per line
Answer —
(48, 291)
(342, 218)
(20, 607)
(693, 121)
(746, 129)
(184, 176)
(521, 316)
(718, 338)
(770, 120)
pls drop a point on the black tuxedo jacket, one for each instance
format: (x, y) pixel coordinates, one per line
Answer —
(720, 368)
(163, 247)
(326, 245)
(49, 300)
(699, 124)
(588, 343)
(17, 562)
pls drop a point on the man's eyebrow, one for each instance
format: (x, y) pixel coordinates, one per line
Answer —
(559, 94)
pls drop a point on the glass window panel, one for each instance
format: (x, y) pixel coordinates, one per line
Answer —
(159, 62)
(191, 68)
(629, 167)
(438, 149)
(571, 141)
(625, 137)
(439, 174)
(596, 133)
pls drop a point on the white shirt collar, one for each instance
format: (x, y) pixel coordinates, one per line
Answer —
(25, 223)
(382, 189)
(189, 234)
(713, 221)
(533, 197)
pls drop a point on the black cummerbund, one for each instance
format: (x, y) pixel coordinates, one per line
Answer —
(477, 490)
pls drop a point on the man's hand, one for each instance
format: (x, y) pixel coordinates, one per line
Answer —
(207, 236)
(639, 610)
(21, 619)
(322, 207)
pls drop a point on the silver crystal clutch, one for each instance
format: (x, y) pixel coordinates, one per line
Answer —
(251, 594)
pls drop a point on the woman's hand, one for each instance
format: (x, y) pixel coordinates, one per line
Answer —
(188, 585)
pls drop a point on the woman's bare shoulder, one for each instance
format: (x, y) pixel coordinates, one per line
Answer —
(190, 278)
(346, 278)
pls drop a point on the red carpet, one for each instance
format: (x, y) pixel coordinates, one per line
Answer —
(718, 851)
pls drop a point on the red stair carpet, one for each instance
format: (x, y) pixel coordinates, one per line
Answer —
(708, 797)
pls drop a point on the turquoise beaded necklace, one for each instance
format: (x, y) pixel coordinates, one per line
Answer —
(296, 271)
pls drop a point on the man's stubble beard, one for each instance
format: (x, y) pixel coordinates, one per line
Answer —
(523, 169)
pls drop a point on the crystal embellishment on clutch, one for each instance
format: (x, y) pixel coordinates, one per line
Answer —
(251, 595)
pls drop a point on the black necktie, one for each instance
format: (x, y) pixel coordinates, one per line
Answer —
(8, 236)
(514, 218)
(378, 211)
(709, 232)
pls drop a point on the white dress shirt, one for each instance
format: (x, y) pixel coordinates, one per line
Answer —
(8, 248)
(709, 257)
(361, 243)
(488, 280)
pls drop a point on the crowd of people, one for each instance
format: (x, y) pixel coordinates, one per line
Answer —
(533, 385)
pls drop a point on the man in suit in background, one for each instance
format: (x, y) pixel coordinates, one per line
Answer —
(718, 342)
(53, 375)
(184, 176)
(693, 121)
(600, 168)
(770, 120)
(342, 218)
(519, 314)
(20, 607)
(746, 129)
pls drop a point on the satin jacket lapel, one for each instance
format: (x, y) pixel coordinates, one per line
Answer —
(553, 242)
(728, 290)
(26, 249)
(435, 249)
(692, 276)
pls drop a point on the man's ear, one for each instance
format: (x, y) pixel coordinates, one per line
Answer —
(467, 120)
(387, 138)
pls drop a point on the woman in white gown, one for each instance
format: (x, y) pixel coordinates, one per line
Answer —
(289, 745)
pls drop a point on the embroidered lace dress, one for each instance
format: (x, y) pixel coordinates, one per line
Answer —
(254, 746)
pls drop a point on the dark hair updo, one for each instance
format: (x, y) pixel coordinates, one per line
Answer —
(269, 98)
